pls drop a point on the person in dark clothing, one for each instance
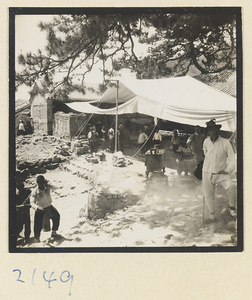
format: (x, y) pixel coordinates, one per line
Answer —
(29, 126)
(104, 131)
(149, 130)
(195, 142)
(23, 211)
(128, 125)
(92, 138)
(127, 133)
(41, 202)
(98, 128)
(157, 138)
(121, 137)
(175, 141)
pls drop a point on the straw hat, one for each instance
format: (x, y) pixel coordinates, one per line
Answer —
(212, 124)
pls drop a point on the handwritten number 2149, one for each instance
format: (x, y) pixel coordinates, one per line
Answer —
(65, 276)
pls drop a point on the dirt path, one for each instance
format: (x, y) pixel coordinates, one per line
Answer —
(168, 211)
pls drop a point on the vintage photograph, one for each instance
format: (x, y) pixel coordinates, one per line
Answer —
(125, 129)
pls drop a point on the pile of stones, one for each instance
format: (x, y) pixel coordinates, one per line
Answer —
(80, 147)
(119, 159)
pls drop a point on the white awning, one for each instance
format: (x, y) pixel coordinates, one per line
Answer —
(181, 99)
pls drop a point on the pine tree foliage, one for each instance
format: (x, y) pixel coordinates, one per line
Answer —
(173, 43)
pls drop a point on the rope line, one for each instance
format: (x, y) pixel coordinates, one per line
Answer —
(145, 142)
(78, 132)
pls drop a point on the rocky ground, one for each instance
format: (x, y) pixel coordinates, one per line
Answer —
(164, 210)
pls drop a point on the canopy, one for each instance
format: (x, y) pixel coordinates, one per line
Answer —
(180, 99)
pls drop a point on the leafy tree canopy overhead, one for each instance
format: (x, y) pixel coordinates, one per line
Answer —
(172, 43)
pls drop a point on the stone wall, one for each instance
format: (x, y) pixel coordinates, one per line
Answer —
(35, 154)
(105, 200)
(68, 125)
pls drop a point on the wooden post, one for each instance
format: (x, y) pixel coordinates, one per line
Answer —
(116, 118)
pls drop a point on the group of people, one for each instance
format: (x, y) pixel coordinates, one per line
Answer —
(40, 200)
(215, 158)
(146, 138)
(213, 152)
(107, 134)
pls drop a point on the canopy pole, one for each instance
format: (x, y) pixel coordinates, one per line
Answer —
(116, 118)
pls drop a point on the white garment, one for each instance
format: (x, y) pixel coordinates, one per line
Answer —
(111, 133)
(21, 127)
(157, 137)
(89, 135)
(219, 156)
(40, 198)
(209, 181)
(142, 138)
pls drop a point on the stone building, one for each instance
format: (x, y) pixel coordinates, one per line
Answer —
(41, 114)
(41, 109)
(51, 116)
